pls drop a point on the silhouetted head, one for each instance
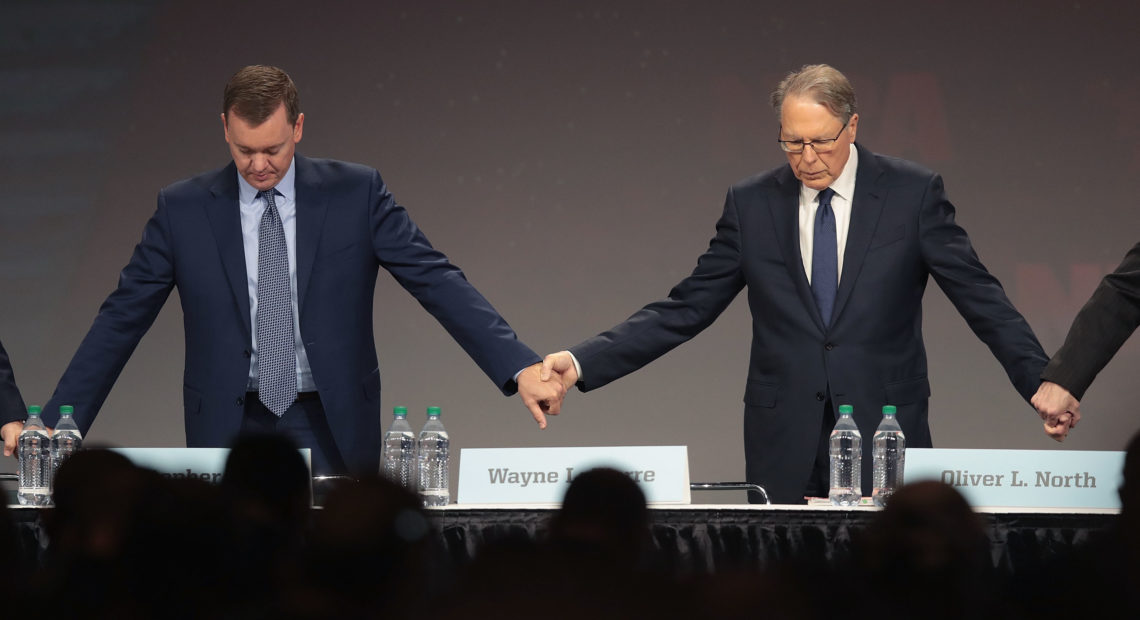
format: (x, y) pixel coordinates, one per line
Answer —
(603, 513)
(266, 480)
(933, 550)
(372, 539)
(95, 493)
(1130, 485)
(929, 526)
(176, 554)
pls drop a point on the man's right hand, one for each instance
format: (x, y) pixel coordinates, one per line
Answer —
(10, 432)
(562, 364)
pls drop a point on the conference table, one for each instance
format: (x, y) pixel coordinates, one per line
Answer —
(706, 538)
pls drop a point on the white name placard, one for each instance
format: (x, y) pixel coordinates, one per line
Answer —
(202, 463)
(542, 475)
(1023, 478)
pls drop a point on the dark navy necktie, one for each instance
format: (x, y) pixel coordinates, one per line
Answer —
(276, 353)
(824, 258)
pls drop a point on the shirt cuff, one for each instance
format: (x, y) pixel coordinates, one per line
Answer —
(577, 366)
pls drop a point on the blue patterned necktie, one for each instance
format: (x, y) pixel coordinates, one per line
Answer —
(276, 355)
(824, 258)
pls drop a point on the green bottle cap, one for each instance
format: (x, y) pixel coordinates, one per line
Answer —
(400, 412)
(846, 409)
(889, 410)
(66, 410)
(34, 410)
(433, 411)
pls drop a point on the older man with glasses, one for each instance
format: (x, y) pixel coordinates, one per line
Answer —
(835, 250)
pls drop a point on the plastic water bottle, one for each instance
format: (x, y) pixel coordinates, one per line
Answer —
(399, 462)
(846, 448)
(34, 448)
(889, 455)
(432, 456)
(65, 440)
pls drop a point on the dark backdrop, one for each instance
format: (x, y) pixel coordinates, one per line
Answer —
(572, 157)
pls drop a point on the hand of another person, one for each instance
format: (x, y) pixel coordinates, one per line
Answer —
(1058, 429)
(540, 397)
(1057, 408)
(561, 364)
(10, 432)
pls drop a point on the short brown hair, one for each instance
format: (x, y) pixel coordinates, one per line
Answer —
(823, 84)
(255, 92)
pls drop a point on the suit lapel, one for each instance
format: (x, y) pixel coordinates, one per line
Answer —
(866, 206)
(785, 208)
(225, 222)
(311, 207)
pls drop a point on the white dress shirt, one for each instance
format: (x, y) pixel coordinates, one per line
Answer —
(844, 188)
(252, 208)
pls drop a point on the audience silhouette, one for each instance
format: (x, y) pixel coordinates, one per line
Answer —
(926, 554)
(1099, 576)
(126, 542)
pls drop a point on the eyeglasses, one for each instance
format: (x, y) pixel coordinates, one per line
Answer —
(819, 146)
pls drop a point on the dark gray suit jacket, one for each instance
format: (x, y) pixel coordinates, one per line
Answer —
(1100, 329)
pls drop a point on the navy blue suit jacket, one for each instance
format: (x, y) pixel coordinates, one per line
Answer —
(11, 404)
(902, 232)
(348, 225)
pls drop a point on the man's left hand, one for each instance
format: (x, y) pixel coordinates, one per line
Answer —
(540, 397)
(1059, 429)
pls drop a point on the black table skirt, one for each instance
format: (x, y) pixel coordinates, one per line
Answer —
(703, 540)
(717, 538)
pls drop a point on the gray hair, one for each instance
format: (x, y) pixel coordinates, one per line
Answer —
(821, 83)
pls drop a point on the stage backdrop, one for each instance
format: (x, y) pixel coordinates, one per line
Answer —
(573, 158)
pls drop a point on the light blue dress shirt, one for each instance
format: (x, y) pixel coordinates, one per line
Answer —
(252, 208)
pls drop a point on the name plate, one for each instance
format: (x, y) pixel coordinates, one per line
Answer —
(542, 475)
(202, 463)
(1023, 478)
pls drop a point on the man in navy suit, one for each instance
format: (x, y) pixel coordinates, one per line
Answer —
(835, 250)
(12, 410)
(275, 258)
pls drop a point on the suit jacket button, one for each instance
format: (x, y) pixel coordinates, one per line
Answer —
(819, 396)
(240, 401)
(245, 354)
(829, 346)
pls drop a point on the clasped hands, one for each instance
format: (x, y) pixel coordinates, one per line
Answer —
(1058, 408)
(543, 386)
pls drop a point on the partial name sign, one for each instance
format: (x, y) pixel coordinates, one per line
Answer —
(542, 475)
(1023, 478)
(206, 464)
